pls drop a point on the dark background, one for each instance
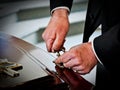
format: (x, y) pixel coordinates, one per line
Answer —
(5, 1)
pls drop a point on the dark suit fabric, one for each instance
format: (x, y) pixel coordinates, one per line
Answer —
(107, 46)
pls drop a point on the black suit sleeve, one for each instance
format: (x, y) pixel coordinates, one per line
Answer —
(107, 47)
(59, 3)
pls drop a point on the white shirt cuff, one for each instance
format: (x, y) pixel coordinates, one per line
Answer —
(95, 52)
(60, 8)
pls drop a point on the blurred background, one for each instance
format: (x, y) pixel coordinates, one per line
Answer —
(27, 19)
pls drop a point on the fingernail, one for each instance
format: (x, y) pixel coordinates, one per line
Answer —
(75, 70)
(53, 51)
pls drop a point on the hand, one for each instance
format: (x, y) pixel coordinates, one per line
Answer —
(79, 58)
(54, 34)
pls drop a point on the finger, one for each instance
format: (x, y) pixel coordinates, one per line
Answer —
(65, 57)
(78, 68)
(72, 63)
(82, 72)
(49, 44)
(58, 43)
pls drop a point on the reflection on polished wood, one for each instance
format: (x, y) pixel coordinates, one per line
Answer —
(34, 74)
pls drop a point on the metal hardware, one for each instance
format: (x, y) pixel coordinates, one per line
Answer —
(9, 68)
(58, 54)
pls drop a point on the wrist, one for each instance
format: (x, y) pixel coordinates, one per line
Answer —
(92, 51)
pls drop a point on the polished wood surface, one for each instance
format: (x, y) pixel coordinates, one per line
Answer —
(35, 73)
(16, 50)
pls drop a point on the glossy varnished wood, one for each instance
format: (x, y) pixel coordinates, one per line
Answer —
(31, 76)
(38, 73)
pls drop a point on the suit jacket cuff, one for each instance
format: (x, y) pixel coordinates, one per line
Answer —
(60, 3)
(63, 7)
(95, 52)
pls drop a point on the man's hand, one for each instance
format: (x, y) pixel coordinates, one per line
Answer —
(56, 31)
(79, 58)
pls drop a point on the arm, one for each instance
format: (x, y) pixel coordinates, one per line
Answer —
(55, 32)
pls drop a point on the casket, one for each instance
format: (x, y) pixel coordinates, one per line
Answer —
(34, 74)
